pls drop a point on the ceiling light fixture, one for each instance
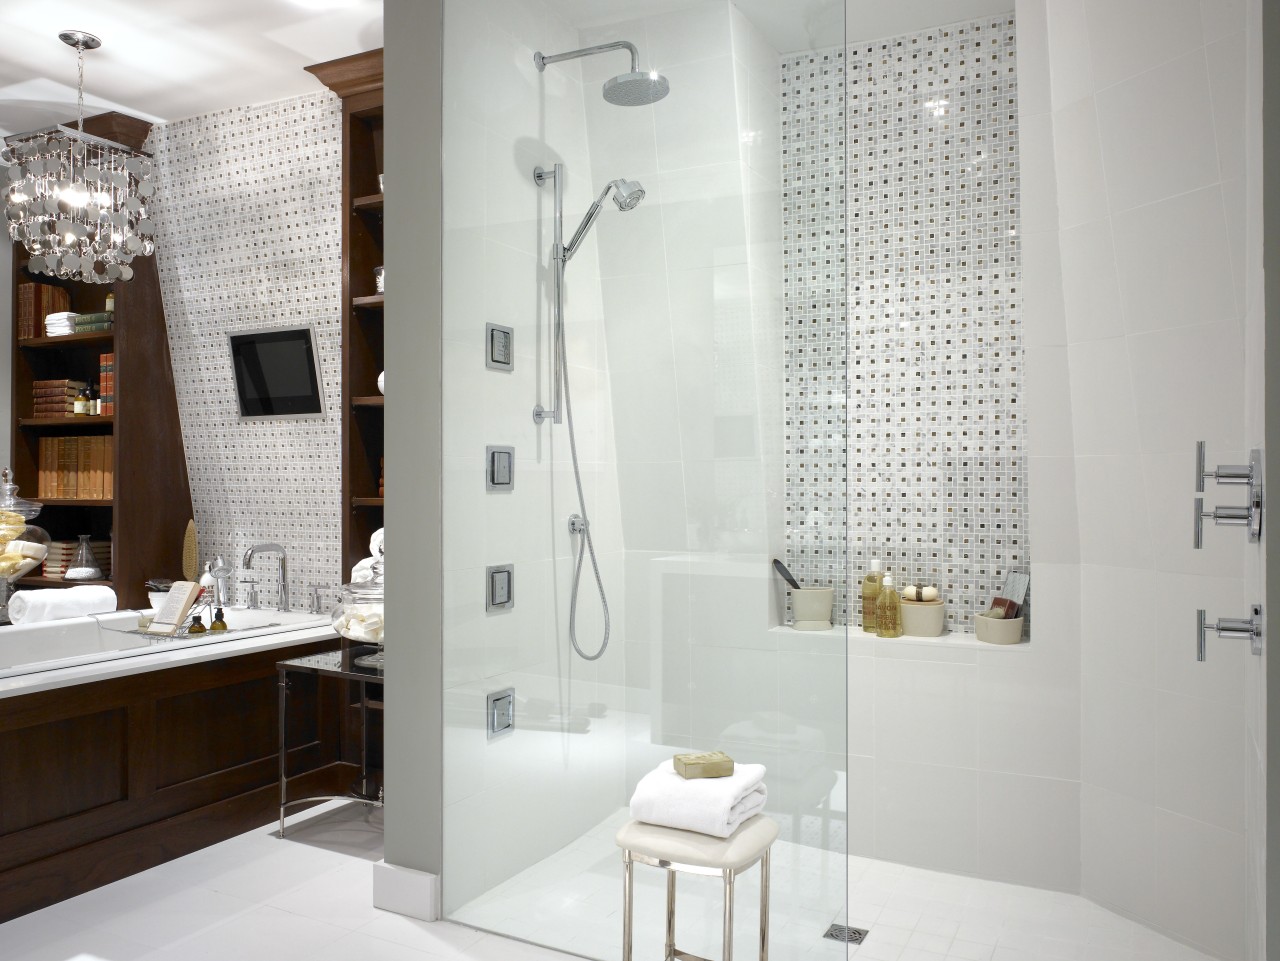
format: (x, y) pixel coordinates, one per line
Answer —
(76, 202)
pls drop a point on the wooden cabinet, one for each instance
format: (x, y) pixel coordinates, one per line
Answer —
(146, 513)
(104, 779)
(358, 81)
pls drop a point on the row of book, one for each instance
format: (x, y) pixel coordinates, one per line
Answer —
(68, 322)
(35, 302)
(52, 399)
(77, 468)
(61, 553)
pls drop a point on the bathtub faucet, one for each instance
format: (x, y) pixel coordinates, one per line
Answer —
(247, 564)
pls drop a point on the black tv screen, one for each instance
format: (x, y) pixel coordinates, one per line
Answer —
(276, 373)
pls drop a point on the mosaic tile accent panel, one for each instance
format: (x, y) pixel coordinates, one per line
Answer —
(928, 366)
(249, 236)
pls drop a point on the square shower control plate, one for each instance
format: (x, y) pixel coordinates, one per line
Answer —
(499, 468)
(499, 347)
(500, 587)
(500, 712)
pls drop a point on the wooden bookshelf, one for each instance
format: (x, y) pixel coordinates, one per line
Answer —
(358, 81)
(147, 514)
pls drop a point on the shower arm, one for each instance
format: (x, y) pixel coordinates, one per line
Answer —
(541, 61)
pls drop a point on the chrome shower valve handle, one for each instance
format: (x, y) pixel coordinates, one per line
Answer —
(1250, 629)
(1248, 515)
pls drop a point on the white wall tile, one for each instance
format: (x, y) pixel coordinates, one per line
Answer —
(1187, 387)
(1174, 264)
(1153, 133)
(1127, 37)
(1102, 401)
(1082, 186)
(1029, 710)
(694, 129)
(682, 36)
(1070, 62)
(1168, 493)
(1115, 527)
(1118, 851)
(1227, 74)
(1200, 759)
(1200, 880)
(1090, 286)
(1054, 521)
(926, 712)
(1047, 383)
(1118, 639)
(1221, 676)
(927, 815)
(1118, 737)
(1029, 830)
(1221, 18)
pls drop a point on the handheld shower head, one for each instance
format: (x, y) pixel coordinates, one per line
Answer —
(627, 194)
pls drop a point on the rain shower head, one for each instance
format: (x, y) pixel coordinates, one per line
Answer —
(635, 89)
(627, 194)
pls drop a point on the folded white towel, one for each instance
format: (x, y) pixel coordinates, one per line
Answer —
(710, 805)
(52, 604)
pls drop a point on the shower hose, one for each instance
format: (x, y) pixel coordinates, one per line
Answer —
(585, 544)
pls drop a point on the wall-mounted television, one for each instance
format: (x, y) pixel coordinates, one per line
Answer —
(277, 373)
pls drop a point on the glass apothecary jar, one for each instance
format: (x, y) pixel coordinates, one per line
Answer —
(23, 545)
(358, 615)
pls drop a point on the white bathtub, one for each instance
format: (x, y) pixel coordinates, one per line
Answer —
(49, 646)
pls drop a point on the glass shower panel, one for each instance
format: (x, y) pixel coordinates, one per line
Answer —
(682, 334)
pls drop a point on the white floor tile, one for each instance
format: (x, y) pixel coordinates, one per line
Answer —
(259, 898)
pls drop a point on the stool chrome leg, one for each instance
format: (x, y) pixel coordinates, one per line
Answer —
(764, 906)
(671, 916)
(728, 916)
(628, 869)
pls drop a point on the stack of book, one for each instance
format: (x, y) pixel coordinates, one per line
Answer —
(76, 468)
(382, 477)
(67, 322)
(61, 554)
(35, 302)
(54, 398)
(107, 384)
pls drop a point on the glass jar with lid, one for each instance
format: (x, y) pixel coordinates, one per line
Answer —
(23, 545)
(359, 612)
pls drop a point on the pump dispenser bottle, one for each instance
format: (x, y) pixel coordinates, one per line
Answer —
(871, 591)
(888, 610)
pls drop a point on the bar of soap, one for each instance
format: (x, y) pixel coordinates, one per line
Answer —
(706, 764)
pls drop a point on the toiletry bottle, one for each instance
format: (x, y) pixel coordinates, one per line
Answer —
(870, 591)
(95, 401)
(110, 307)
(80, 405)
(196, 627)
(888, 610)
(218, 623)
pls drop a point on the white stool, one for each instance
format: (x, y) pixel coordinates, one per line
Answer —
(697, 854)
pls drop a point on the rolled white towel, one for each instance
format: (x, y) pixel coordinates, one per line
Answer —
(31, 607)
(712, 805)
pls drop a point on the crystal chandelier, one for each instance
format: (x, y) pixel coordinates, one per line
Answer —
(78, 203)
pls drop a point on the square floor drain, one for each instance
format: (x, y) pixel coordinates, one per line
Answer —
(842, 932)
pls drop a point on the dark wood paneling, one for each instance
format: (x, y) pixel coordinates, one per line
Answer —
(52, 771)
(100, 780)
(188, 747)
(352, 75)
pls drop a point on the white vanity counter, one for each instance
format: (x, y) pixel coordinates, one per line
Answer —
(79, 650)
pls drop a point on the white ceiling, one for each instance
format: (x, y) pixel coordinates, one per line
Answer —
(169, 59)
(792, 25)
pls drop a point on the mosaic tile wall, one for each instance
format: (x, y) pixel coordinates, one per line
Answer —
(920, 249)
(249, 236)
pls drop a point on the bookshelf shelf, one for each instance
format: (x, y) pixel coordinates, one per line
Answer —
(39, 581)
(75, 502)
(374, 401)
(366, 502)
(35, 423)
(371, 202)
(372, 302)
(88, 339)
